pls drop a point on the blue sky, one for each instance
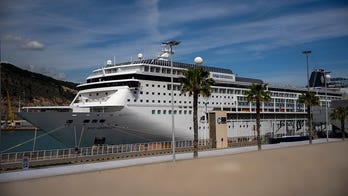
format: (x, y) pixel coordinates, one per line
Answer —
(67, 39)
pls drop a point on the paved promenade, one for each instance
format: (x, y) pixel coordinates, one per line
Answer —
(282, 169)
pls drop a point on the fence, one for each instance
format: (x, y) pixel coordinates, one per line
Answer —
(97, 150)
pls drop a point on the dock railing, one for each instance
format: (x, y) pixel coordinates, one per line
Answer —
(17, 157)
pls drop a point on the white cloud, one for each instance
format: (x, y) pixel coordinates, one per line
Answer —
(33, 45)
(24, 43)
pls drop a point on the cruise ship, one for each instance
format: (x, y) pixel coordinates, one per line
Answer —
(130, 102)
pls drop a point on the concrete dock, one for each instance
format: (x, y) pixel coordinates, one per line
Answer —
(282, 169)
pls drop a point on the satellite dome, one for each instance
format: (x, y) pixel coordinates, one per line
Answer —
(140, 56)
(109, 62)
(328, 76)
(198, 60)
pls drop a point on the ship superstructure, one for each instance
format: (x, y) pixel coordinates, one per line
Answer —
(131, 102)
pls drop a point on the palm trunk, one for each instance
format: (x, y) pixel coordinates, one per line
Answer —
(195, 126)
(342, 129)
(309, 123)
(258, 124)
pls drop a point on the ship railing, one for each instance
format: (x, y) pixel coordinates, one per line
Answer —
(56, 154)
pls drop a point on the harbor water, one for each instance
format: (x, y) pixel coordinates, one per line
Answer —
(23, 140)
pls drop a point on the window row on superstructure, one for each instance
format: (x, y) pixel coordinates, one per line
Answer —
(170, 112)
(221, 98)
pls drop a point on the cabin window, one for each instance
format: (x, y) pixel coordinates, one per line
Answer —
(102, 120)
(94, 121)
(69, 121)
(86, 121)
(158, 111)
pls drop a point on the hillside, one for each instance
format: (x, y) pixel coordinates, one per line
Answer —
(32, 89)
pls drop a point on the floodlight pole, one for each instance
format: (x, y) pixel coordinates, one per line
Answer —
(171, 44)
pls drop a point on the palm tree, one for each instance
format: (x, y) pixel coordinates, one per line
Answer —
(196, 82)
(258, 93)
(309, 99)
(340, 113)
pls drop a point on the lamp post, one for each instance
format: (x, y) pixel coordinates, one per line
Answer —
(0, 103)
(307, 52)
(326, 77)
(198, 61)
(171, 44)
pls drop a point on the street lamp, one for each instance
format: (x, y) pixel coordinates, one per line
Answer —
(326, 77)
(171, 44)
(307, 52)
(198, 61)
